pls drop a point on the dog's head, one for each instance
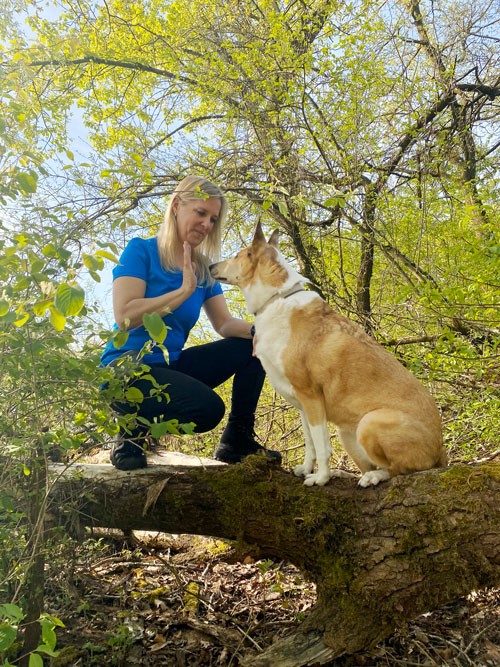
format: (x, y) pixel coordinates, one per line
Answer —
(258, 263)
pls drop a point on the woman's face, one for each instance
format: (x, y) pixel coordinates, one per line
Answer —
(195, 219)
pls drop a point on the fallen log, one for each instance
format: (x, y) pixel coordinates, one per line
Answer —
(379, 556)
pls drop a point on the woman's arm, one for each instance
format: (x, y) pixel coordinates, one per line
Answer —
(130, 304)
(223, 322)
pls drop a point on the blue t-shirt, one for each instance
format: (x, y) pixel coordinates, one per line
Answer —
(140, 259)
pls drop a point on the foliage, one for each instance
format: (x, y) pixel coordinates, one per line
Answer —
(11, 615)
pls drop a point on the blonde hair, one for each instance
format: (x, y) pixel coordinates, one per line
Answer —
(192, 187)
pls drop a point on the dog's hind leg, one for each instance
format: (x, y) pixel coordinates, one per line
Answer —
(371, 476)
(307, 466)
(356, 451)
(400, 442)
(394, 442)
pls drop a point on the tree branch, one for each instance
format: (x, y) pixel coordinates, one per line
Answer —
(136, 66)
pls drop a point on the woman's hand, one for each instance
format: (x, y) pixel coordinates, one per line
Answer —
(189, 280)
(130, 304)
(223, 322)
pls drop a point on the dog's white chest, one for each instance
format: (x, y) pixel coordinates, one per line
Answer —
(273, 336)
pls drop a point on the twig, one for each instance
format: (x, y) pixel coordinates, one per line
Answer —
(182, 585)
(476, 637)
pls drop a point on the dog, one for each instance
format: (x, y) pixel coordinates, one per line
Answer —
(332, 371)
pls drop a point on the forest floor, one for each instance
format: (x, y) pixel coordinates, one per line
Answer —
(183, 600)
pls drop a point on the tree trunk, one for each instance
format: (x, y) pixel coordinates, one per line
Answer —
(365, 271)
(379, 556)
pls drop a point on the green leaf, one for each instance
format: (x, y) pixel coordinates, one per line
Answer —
(337, 200)
(159, 429)
(8, 318)
(27, 182)
(49, 250)
(92, 262)
(134, 395)
(54, 620)
(57, 319)
(23, 317)
(4, 307)
(282, 208)
(43, 648)
(40, 308)
(35, 660)
(11, 611)
(173, 426)
(8, 635)
(69, 299)
(21, 240)
(95, 276)
(188, 428)
(80, 418)
(7, 504)
(120, 338)
(63, 253)
(48, 634)
(107, 255)
(155, 326)
(37, 265)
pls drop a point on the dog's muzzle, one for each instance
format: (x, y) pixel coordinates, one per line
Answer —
(214, 272)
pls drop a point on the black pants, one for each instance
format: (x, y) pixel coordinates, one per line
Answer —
(191, 379)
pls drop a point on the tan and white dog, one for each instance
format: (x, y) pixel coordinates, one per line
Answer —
(330, 370)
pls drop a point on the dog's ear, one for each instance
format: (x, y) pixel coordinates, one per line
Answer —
(275, 237)
(258, 238)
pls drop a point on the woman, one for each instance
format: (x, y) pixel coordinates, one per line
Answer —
(169, 274)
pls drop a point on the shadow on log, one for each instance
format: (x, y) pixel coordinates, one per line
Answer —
(379, 556)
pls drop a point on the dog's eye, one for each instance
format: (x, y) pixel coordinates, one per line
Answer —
(249, 253)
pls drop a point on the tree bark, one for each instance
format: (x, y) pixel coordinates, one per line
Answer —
(365, 271)
(379, 556)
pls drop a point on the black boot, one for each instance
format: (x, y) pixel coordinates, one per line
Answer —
(238, 441)
(128, 452)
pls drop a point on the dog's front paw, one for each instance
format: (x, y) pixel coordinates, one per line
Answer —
(320, 479)
(373, 477)
(301, 470)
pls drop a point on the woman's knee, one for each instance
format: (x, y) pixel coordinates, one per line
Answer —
(209, 414)
(205, 415)
(189, 400)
